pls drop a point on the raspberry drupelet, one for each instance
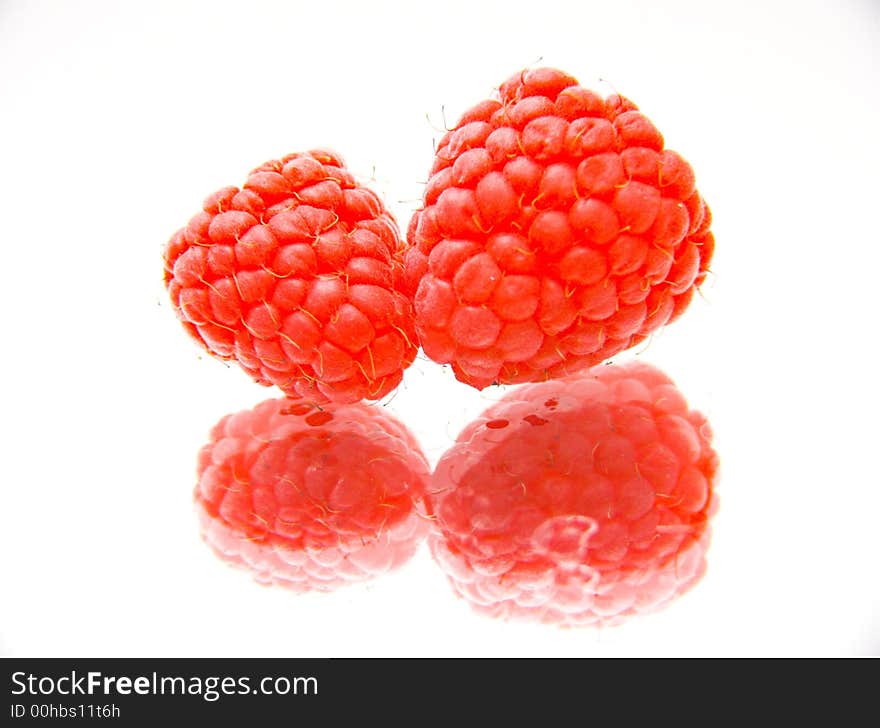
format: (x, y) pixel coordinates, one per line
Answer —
(312, 498)
(579, 501)
(556, 231)
(294, 276)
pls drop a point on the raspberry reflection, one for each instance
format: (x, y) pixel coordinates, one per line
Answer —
(311, 498)
(579, 501)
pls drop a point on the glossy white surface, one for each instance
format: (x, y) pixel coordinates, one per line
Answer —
(118, 118)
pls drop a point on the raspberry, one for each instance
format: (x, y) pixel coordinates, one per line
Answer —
(577, 501)
(556, 231)
(311, 498)
(293, 276)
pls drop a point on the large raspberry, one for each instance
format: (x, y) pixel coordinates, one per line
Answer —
(577, 501)
(556, 231)
(294, 277)
(311, 498)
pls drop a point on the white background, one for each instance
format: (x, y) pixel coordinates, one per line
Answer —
(116, 119)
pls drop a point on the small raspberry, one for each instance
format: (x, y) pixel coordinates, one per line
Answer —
(311, 498)
(556, 232)
(293, 276)
(577, 501)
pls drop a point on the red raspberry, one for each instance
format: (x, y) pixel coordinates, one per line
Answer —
(556, 231)
(578, 501)
(294, 277)
(311, 498)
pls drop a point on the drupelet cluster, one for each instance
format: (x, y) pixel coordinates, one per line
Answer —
(294, 277)
(556, 232)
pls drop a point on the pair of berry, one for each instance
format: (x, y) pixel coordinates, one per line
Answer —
(574, 501)
(556, 231)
